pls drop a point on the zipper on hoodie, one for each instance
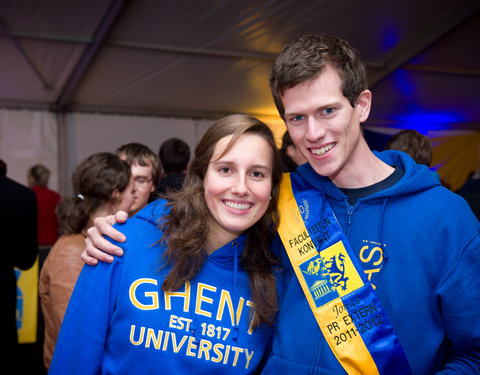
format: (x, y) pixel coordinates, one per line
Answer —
(350, 209)
(350, 214)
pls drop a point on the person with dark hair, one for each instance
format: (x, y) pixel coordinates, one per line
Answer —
(414, 144)
(410, 241)
(18, 231)
(174, 156)
(102, 184)
(291, 157)
(379, 256)
(145, 167)
(47, 200)
(196, 289)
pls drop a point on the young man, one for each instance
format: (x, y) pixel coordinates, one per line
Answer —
(404, 248)
(145, 172)
(174, 155)
(291, 156)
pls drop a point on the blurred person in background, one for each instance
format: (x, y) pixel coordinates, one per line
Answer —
(47, 200)
(102, 185)
(291, 156)
(18, 231)
(145, 167)
(174, 156)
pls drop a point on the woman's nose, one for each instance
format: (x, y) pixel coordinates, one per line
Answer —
(239, 186)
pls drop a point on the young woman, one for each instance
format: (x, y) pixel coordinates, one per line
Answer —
(101, 185)
(196, 289)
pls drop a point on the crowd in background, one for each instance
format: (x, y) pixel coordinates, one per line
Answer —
(151, 176)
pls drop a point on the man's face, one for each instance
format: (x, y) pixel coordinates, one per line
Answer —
(143, 186)
(325, 127)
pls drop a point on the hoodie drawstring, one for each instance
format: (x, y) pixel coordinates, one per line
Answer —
(193, 317)
(382, 222)
(193, 327)
(235, 269)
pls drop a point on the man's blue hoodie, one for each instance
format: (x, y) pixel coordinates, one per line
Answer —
(119, 321)
(419, 245)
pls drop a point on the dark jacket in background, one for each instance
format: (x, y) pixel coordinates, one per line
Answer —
(18, 233)
(171, 182)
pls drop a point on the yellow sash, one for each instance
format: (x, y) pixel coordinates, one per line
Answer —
(343, 311)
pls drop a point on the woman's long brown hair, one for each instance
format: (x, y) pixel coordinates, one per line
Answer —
(185, 229)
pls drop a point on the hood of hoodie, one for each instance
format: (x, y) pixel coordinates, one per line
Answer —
(224, 256)
(416, 178)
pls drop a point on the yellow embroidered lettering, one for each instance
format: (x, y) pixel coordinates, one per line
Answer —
(153, 295)
(191, 346)
(165, 343)
(201, 298)
(217, 350)
(140, 336)
(205, 347)
(225, 299)
(151, 337)
(225, 356)
(368, 257)
(237, 351)
(249, 356)
(185, 295)
(176, 348)
(250, 327)
(369, 274)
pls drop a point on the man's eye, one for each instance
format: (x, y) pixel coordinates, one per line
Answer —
(141, 180)
(328, 111)
(298, 118)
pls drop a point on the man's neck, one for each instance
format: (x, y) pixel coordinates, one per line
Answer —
(363, 169)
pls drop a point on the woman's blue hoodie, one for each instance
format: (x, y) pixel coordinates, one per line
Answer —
(419, 245)
(119, 321)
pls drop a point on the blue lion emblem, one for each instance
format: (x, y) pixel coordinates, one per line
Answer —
(336, 269)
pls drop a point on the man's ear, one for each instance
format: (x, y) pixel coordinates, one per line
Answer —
(364, 101)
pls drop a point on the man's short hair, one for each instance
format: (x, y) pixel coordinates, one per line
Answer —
(137, 153)
(414, 144)
(174, 155)
(305, 58)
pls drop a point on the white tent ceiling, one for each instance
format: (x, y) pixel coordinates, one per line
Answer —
(199, 58)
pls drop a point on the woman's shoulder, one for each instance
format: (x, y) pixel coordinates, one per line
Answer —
(154, 212)
(143, 231)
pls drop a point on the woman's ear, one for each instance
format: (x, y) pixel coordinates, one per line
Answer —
(116, 195)
(364, 102)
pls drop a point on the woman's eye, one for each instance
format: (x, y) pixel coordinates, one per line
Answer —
(257, 174)
(224, 170)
